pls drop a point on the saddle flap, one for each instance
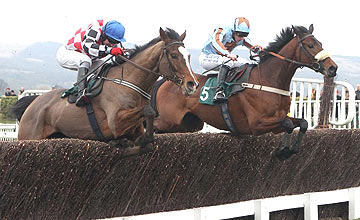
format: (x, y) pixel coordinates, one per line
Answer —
(94, 88)
(236, 73)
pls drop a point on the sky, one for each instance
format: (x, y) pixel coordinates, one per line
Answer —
(336, 23)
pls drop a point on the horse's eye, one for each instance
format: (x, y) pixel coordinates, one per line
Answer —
(174, 56)
(311, 46)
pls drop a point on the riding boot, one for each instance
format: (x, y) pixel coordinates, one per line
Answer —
(220, 89)
(81, 99)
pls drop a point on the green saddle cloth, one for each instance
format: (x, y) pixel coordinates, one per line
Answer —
(72, 91)
(75, 89)
(207, 92)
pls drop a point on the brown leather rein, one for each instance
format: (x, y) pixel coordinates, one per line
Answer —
(316, 66)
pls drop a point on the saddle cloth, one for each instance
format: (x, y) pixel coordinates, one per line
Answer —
(233, 81)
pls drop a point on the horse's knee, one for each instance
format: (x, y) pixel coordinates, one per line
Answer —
(303, 126)
(288, 125)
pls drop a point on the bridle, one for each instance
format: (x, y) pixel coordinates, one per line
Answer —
(319, 57)
(173, 77)
(316, 65)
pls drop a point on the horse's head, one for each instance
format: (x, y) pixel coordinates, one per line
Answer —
(175, 62)
(311, 53)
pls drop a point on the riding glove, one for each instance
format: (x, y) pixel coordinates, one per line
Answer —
(116, 51)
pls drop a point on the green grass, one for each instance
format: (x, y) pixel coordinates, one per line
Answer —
(5, 120)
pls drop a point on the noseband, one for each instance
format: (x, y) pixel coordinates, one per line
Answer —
(322, 55)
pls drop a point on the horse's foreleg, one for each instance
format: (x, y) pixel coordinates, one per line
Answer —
(303, 124)
(148, 137)
(284, 151)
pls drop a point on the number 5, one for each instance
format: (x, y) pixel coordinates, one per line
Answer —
(204, 94)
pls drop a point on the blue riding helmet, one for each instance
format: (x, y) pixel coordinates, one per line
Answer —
(114, 30)
(241, 24)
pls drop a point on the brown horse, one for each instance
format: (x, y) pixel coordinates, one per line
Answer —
(120, 111)
(253, 111)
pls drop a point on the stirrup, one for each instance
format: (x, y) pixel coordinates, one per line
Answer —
(82, 99)
(219, 97)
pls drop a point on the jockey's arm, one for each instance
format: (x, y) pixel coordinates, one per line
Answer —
(217, 42)
(255, 49)
(90, 45)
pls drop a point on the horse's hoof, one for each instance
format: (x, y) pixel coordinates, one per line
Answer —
(284, 153)
(144, 141)
(122, 143)
(149, 148)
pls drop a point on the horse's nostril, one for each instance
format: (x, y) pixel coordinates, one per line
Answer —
(191, 85)
(332, 71)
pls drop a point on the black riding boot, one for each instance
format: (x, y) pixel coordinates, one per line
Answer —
(220, 90)
(81, 99)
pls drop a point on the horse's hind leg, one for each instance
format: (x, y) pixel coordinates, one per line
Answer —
(148, 137)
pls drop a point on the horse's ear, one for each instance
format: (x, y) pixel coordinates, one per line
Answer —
(182, 37)
(297, 31)
(163, 35)
(311, 28)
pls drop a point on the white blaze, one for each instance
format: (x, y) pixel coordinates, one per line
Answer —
(186, 56)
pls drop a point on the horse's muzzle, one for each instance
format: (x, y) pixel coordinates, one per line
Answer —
(331, 72)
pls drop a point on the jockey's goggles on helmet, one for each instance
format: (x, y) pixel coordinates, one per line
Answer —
(241, 34)
(112, 41)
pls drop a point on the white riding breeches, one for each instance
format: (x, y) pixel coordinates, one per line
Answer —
(71, 59)
(212, 60)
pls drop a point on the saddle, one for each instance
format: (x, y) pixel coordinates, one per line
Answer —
(95, 85)
(233, 81)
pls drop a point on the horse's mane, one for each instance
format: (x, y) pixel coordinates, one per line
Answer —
(281, 40)
(169, 32)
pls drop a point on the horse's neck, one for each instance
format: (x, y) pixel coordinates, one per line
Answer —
(278, 73)
(148, 59)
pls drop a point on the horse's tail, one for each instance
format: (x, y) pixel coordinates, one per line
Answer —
(21, 105)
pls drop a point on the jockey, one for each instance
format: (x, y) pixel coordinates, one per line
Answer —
(217, 51)
(88, 46)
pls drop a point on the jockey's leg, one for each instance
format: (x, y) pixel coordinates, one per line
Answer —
(81, 99)
(210, 61)
(220, 88)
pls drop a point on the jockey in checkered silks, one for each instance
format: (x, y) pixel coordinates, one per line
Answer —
(87, 47)
(217, 51)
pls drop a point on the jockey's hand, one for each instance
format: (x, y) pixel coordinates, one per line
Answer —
(232, 56)
(256, 49)
(116, 51)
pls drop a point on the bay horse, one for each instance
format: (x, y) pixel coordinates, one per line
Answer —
(253, 111)
(119, 110)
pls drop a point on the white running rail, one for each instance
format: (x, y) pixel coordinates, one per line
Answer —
(8, 132)
(262, 208)
(305, 102)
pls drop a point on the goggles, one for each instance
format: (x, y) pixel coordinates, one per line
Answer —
(241, 34)
(112, 41)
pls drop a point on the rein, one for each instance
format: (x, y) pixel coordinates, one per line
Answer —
(174, 78)
(314, 65)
